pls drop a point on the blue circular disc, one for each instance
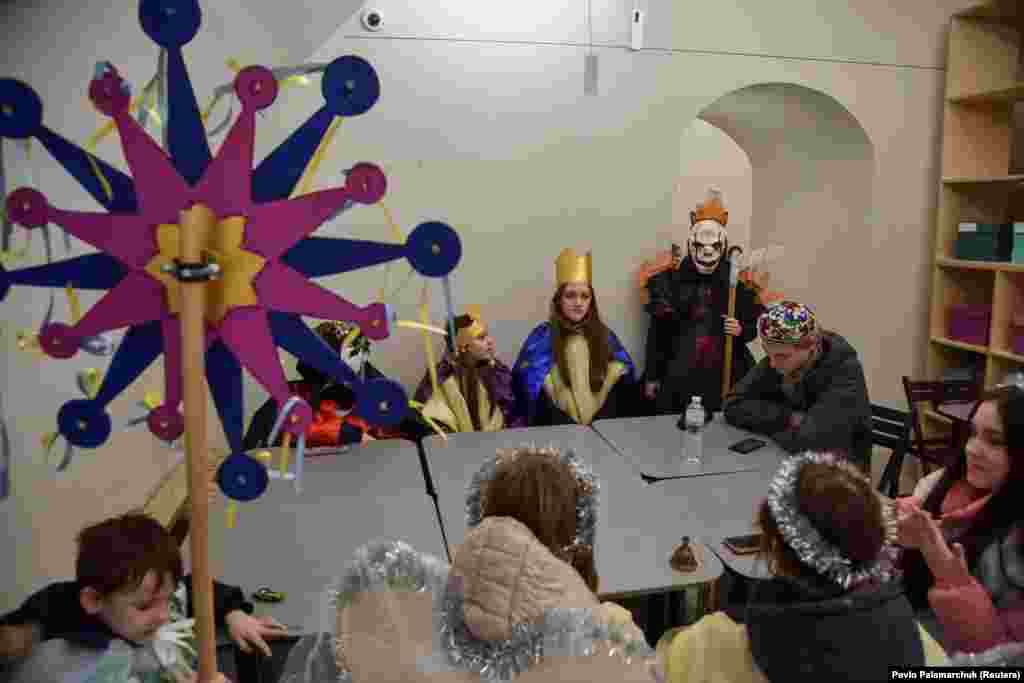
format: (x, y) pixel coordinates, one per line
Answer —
(170, 23)
(5, 283)
(242, 478)
(84, 423)
(433, 249)
(382, 402)
(21, 110)
(350, 86)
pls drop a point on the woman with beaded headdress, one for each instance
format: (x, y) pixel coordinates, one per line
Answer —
(573, 369)
(832, 611)
(518, 602)
(964, 563)
(808, 392)
(475, 390)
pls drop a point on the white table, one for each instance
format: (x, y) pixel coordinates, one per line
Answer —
(633, 543)
(298, 543)
(716, 507)
(654, 446)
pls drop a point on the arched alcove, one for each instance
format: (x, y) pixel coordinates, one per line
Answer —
(709, 157)
(812, 176)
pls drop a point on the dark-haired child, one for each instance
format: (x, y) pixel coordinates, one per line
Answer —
(128, 584)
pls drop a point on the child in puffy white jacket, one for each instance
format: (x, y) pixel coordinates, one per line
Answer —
(526, 566)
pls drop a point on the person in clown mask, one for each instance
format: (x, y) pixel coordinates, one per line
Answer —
(688, 304)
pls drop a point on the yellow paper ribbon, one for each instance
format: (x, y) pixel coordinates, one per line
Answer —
(420, 326)
(286, 453)
(106, 129)
(90, 379)
(232, 513)
(29, 341)
(152, 399)
(350, 337)
(427, 344)
(74, 304)
(416, 405)
(396, 234)
(306, 182)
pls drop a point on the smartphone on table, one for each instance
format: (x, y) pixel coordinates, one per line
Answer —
(743, 545)
(747, 445)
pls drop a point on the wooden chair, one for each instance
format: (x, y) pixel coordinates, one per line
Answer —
(938, 450)
(890, 429)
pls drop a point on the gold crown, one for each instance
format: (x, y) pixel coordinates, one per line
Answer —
(710, 209)
(572, 267)
(473, 330)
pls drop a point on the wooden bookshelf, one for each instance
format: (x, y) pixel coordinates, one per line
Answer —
(984, 80)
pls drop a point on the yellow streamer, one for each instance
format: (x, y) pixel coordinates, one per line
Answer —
(396, 234)
(232, 513)
(106, 129)
(152, 399)
(420, 326)
(286, 452)
(416, 405)
(428, 345)
(296, 80)
(350, 337)
(91, 380)
(47, 441)
(306, 183)
(74, 304)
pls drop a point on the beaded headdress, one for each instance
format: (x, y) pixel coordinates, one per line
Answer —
(786, 322)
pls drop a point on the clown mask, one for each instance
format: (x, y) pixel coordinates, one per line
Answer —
(707, 243)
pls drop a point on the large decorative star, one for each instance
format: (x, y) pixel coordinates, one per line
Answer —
(261, 242)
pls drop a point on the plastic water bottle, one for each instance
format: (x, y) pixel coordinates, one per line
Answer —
(694, 438)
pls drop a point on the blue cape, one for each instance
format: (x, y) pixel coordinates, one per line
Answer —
(536, 358)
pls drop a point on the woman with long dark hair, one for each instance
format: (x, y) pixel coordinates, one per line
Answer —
(962, 528)
(573, 369)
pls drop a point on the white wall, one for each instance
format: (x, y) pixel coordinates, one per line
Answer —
(483, 124)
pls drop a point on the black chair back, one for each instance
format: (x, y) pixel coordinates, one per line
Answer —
(890, 429)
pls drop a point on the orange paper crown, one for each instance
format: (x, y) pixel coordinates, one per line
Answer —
(572, 267)
(710, 209)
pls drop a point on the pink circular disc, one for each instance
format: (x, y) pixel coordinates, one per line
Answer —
(166, 423)
(58, 341)
(256, 87)
(28, 208)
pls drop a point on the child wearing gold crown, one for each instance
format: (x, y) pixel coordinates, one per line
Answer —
(573, 369)
(688, 304)
(474, 388)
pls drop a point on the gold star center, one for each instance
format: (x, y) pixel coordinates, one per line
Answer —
(223, 245)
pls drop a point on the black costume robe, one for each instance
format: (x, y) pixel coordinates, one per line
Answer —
(686, 339)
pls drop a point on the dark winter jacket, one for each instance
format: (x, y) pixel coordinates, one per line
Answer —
(803, 632)
(686, 338)
(833, 396)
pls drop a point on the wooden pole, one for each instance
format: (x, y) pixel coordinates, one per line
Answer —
(727, 366)
(196, 222)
